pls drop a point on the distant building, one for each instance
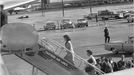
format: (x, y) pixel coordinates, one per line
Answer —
(55, 1)
(66, 1)
(58, 3)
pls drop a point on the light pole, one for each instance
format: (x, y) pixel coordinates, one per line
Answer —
(90, 9)
(63, 14)
(42, 6)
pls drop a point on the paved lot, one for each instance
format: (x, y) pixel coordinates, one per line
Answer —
(82, 38)
(86, 38)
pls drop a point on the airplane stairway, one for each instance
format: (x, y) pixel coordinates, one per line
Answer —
(49, 58)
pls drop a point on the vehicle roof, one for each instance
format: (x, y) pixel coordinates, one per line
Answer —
(122, 11)
(116, 41)
(131, 37)
(81, 19)
(131, 14)
(66, 19)
(104, 10)
(50, 22)
(131, 11)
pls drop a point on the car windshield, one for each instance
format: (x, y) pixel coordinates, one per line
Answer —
(131, 12)
(66, 21)
(81, 20)
(50, 23)
(131, 38)
(132, 15)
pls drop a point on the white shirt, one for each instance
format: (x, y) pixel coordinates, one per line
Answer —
(71, 47)
(94, 60)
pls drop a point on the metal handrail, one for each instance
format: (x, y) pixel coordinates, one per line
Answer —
(51, 43)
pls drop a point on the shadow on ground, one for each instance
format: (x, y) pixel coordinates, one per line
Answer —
(124, 22)
(113, 55)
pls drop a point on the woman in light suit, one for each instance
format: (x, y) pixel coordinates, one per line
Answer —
(70, 54)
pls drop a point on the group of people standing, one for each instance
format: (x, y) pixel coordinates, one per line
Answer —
(107, 65)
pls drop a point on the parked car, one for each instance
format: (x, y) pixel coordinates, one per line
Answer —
(50, 25)
(77, 4)
(66, 23)
(130, 18)
(107, 14)
(122, 14)
(90, 16)
(67, 5)
(126, 15)
(120, 46)
(81, 23)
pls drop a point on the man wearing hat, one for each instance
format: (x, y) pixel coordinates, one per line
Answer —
(106, 35)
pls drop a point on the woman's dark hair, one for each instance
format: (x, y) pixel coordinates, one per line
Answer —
(98, 60)
(106, 59)
(89, 52)
(67, 37)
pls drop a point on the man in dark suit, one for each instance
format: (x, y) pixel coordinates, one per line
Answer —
(106, 35)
